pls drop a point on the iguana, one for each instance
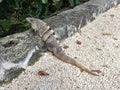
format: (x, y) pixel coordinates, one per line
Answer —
(48, 36)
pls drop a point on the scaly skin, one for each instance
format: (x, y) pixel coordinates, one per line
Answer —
(48, 37)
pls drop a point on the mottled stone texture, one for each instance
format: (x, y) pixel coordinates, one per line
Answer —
(14, 48)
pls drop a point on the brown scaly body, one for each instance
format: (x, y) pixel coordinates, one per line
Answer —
(53, 46)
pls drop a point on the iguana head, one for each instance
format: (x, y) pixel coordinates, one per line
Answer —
(38, 25)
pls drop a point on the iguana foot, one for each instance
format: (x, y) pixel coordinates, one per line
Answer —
(95, 72)
(92, 72)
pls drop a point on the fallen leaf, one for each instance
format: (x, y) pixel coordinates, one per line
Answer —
(65, 46)
(108, 34)
(42, 73)
(115, 38)
(99, 49)
(75, 57)
(78, 42)
(112, 15)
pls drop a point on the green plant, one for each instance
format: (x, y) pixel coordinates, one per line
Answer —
(14, 12)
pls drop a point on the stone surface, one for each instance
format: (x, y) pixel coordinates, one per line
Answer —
(80, 15)
(15, 48)
(99, 49)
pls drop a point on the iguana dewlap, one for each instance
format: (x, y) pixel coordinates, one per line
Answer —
(48, 36)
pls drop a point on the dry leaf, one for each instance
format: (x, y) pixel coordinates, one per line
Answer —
(75, 57)
(78, 42)
(99, 49)
(115, 38)
(107, 34)
(112, 15)
(42, 73)
(65, 46)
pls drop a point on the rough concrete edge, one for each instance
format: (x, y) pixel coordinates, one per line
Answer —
(87, 12)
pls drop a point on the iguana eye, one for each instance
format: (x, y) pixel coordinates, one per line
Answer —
(31, 20)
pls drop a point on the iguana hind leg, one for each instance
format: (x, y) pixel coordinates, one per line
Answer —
(63, 57)
(92, 72)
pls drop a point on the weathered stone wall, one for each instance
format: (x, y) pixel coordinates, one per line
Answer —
(16, 48)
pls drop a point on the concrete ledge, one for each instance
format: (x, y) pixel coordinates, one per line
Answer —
(67, 22)
(82, 13)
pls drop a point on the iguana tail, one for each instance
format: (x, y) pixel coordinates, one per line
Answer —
(63, 57)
